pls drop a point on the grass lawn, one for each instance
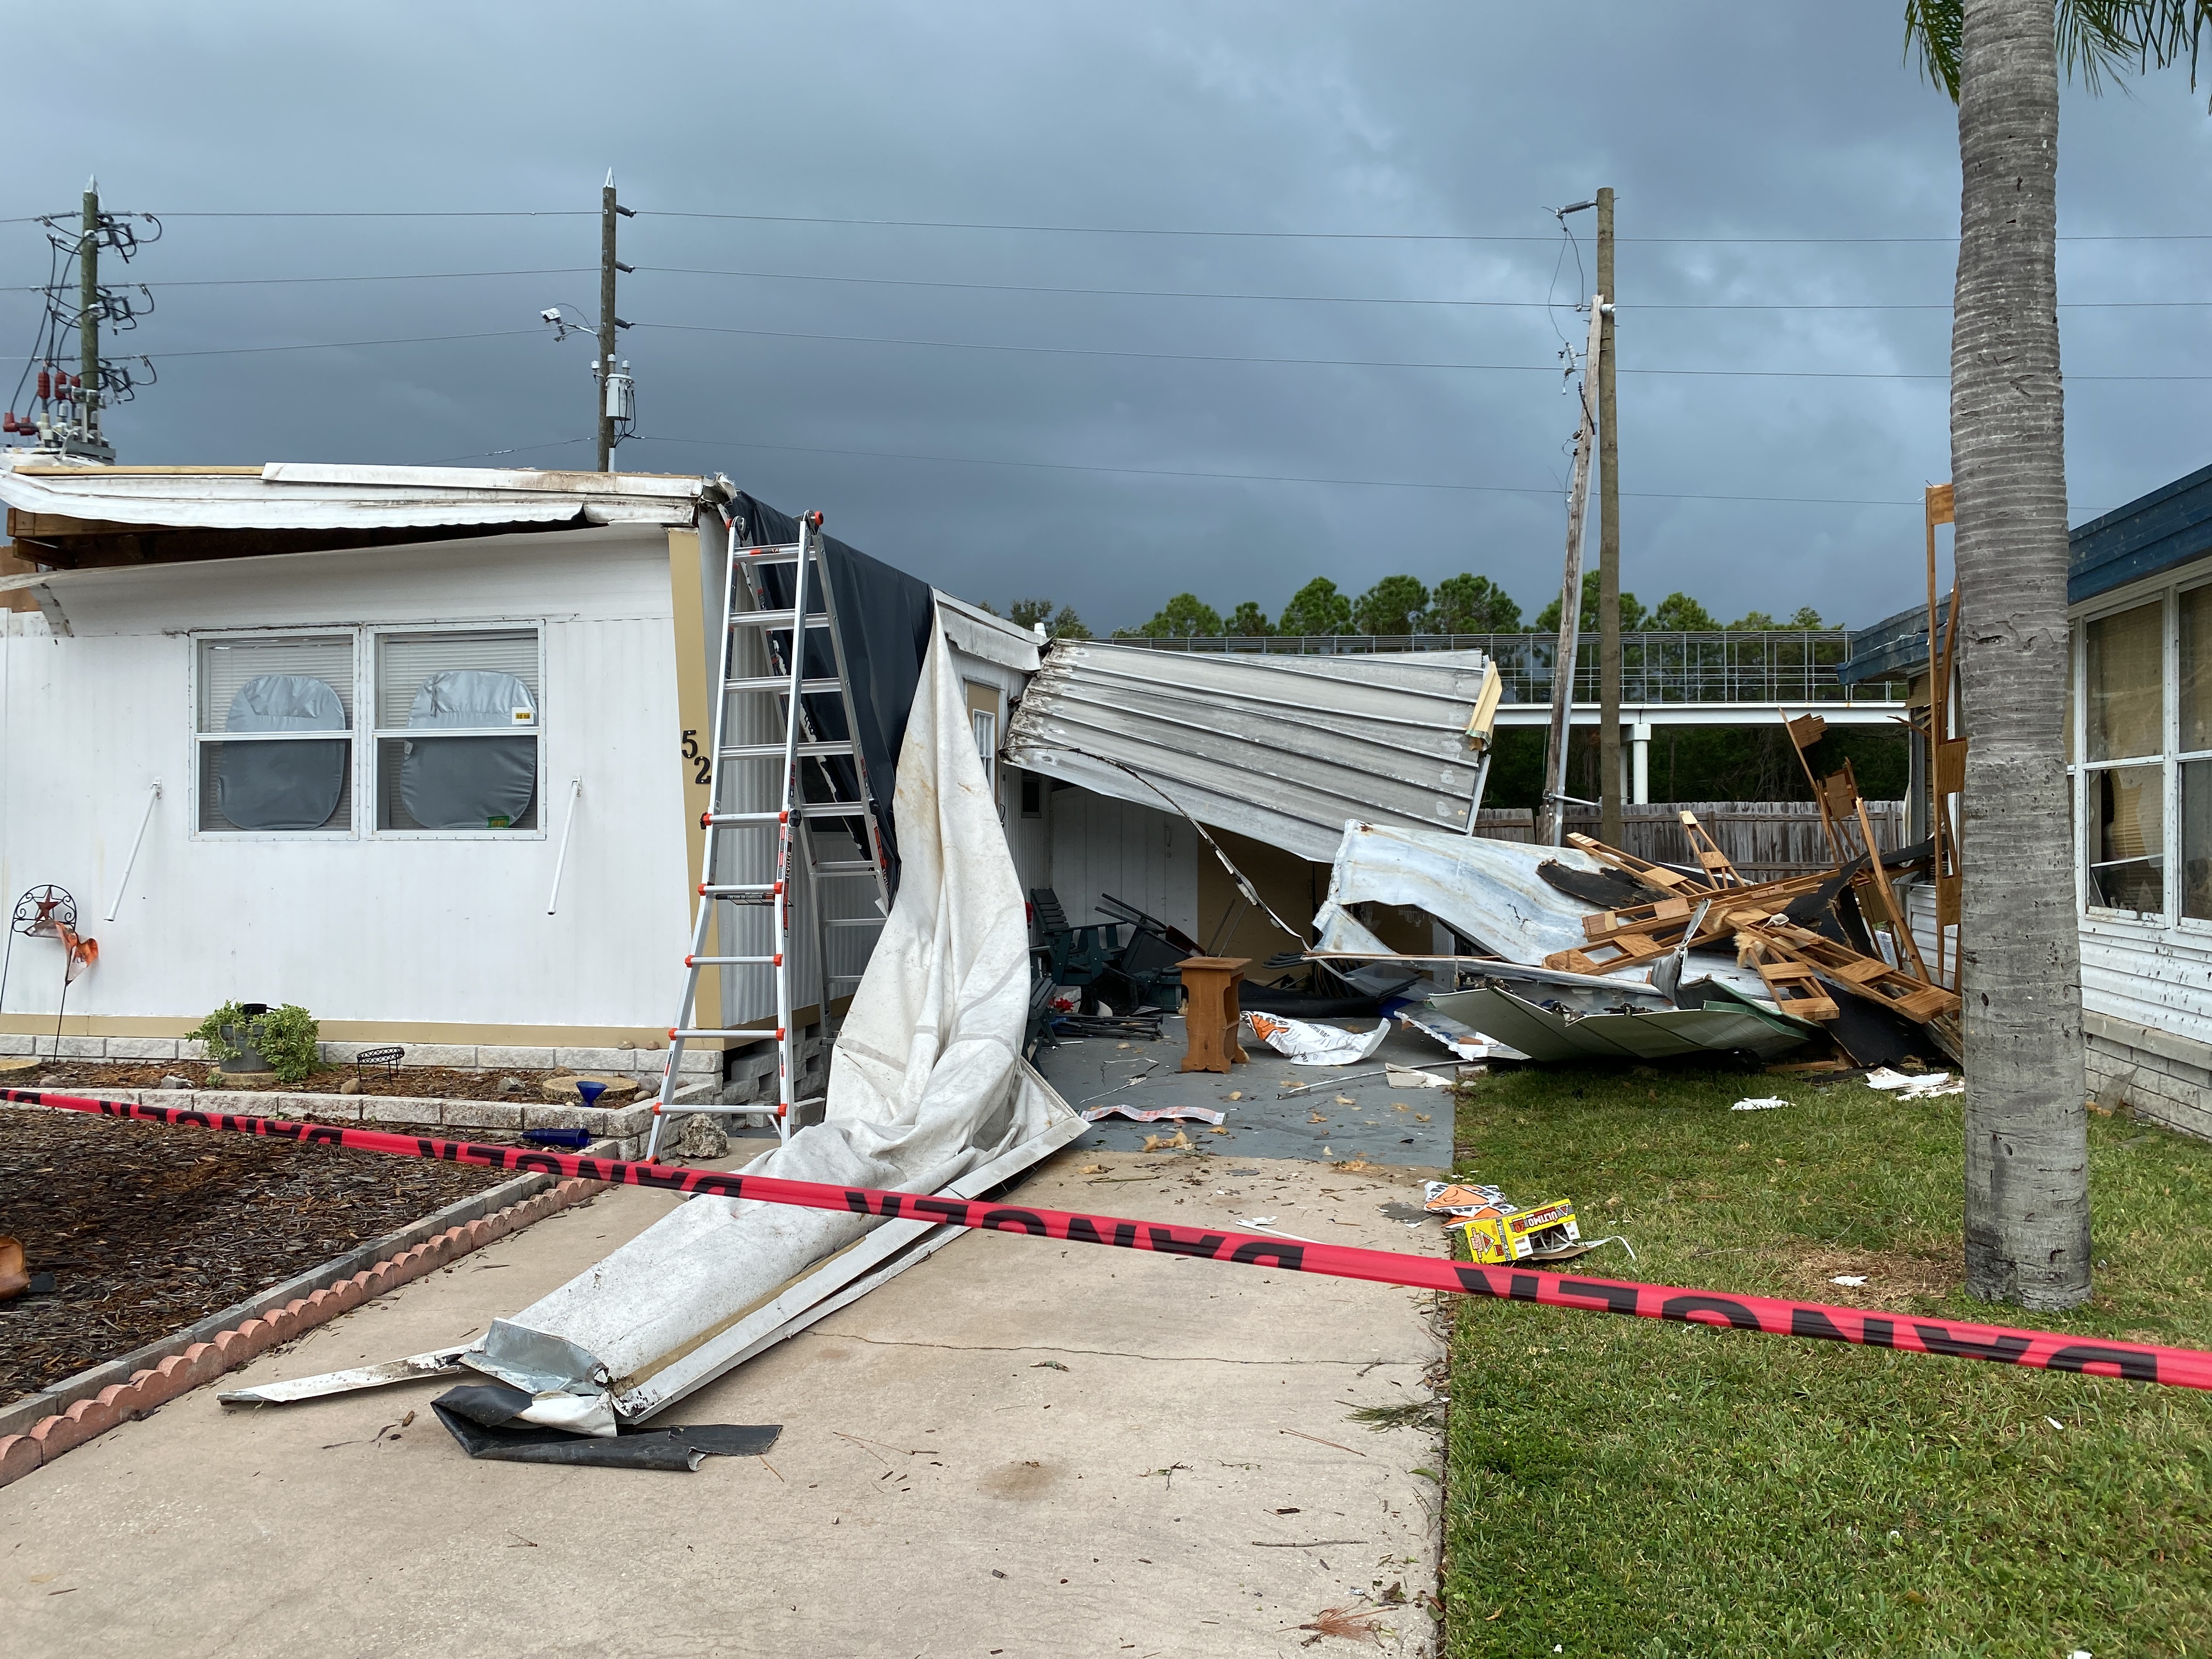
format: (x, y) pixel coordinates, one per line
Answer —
(1624, 1487)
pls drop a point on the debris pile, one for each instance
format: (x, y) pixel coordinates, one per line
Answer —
(1590, 952)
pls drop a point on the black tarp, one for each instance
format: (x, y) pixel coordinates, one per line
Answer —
(884, 620)
(486, 1419)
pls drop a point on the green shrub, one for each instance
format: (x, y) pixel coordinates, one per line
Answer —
(284, 1037)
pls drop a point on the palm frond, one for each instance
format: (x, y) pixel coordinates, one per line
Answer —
(1933, 27)
(2093, 37)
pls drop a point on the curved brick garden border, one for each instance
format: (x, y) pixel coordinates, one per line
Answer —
(48, 1438)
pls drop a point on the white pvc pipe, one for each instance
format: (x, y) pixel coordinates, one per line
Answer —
(153, 796)
(1640, 746)
(560, 862)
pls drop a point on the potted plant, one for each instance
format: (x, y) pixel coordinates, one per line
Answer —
(252, 1037)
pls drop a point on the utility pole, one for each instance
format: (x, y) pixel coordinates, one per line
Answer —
(1571, 591)
(88, 314)
(610, 212)
(1609, 548)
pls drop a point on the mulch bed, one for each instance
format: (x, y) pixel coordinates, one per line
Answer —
(422, 1082)
(147, 1229)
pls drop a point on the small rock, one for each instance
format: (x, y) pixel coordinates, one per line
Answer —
(510, 1086)
(351, 1086)
(701, 1137)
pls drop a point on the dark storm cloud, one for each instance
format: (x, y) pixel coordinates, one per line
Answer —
(1711, 121)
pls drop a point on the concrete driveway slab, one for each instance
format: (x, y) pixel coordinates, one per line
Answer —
(1018, 1448)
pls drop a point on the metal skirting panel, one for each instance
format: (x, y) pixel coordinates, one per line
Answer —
(1283, 748)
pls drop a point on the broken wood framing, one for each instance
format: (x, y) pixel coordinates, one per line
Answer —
(1707, 852)
(1651, 931)
(1864, 976)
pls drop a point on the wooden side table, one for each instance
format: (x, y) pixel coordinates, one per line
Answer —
(1210, 1012)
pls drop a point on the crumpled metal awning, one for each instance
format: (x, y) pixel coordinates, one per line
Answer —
(1283, 748)
(289, 496)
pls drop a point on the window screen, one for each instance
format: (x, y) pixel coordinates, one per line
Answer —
(2123, 684)
(458, 719)
(254, 699)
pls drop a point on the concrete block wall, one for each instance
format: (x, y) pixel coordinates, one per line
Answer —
(618, 1132)
(750, 1074)
(628, 1062)
(2161, 1077)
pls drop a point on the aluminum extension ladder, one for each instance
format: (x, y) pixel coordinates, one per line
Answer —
(802, 752)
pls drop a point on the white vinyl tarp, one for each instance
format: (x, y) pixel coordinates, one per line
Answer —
(927, 1083)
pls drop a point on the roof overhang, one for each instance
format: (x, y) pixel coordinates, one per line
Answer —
(74, 516)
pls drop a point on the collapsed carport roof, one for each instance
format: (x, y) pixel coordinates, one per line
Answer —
(1283, 748)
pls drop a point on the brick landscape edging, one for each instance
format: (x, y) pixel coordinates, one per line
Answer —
(48, 1438)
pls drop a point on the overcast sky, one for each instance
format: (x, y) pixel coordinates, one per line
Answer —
(1022, 449)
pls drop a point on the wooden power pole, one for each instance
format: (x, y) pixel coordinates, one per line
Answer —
(1608, 546)
(1568, 649)
(610, 212)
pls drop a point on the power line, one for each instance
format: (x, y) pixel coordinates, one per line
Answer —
(1149, 356)
(405, 213)
(392, 276)
(336, 345)
(1121, 230)
(1135, 293)
(1370, 299)
(1370, 235)
(1255, 477)
(1348, 362)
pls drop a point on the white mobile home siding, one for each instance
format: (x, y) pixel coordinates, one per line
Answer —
(441, 938)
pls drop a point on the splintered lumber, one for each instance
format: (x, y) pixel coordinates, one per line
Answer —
(1839, 791)
(1900, 931)
(1707, 851)
(1655, 876)
(1804, 732)
(1796, 990)
(1863, 977)
(1635, 917)
(1626, 938)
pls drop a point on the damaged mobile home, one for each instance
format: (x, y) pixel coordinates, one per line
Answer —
(626, 770)
(436, 749)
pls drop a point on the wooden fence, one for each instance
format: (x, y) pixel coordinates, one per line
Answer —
(1765, 841)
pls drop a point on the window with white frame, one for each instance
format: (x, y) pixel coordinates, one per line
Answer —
(2123, 759)
(2193, 745)
(258, 698)
(457, 729)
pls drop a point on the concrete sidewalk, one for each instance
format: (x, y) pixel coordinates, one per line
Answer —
(1017, 1448)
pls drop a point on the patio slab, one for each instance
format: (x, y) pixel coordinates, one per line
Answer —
(1020, 1447)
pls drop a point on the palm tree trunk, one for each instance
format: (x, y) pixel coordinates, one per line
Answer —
(2027, 1197)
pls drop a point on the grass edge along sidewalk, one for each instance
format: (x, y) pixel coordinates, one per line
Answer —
(1624, 1487)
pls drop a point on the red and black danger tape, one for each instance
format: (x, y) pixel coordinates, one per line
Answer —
(2186, 1368)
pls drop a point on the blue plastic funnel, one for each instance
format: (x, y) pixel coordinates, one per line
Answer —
(589, 1091)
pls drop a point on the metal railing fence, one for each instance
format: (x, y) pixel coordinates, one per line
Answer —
(1780, 666)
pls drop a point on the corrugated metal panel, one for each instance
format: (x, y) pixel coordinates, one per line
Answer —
(341, 498)
(1283, 748)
